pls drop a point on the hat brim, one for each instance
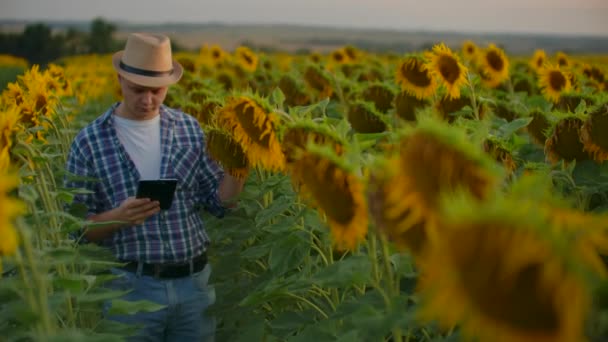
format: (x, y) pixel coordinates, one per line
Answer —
(148, 81)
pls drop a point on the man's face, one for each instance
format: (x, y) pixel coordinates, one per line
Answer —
(140, 102)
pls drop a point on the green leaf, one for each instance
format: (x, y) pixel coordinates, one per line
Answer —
(75, 283)
(277, 97)
(352, 270)
(507, 130)
(275, 209)
(288, 253)
(125, 307)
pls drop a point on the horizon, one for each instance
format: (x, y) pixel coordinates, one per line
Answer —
(126, 23)
(520, 17)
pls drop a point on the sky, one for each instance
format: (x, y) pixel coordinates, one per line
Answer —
(588, 17)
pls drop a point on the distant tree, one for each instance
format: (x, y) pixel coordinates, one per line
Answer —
(75, 42)
(38, 45)
(101, 36)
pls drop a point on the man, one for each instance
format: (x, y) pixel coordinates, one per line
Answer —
(140, 138)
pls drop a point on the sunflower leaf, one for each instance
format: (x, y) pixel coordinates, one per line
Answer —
(277, 97)
(507, 130)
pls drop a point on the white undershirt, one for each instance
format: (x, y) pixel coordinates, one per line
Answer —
(141, 140)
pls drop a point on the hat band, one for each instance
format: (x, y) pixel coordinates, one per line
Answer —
(144, 72)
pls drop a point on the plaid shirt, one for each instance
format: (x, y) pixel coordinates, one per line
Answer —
(174, 235)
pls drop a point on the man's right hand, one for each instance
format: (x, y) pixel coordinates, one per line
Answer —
(132, 211)
(136, 210)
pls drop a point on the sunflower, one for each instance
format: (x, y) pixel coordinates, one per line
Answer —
(9, 126)
(405, 227)
(537, 128)
(569, 102)
(523, 83)
(469, 51)
(447, 107)
(246, 59)
(407, 105)
(315, 58)
(293, 91)
(339, 56)
(299, 134)
(187, 63)
(500, 274)
(565, 142)
(594, 73)
(500, 153)
(223, 147)
(433, 159)
(13, 95)
(380, 94)
(415, 79)
(503, 110)
(538, 60)
(593, 133)
(495, 64)
(553, 82)
(365, 118)
(446, 67)
(217, 54)
(562, 59)
(10, 208)
(319, 80)
(337, 192)
(226, 79)
(253, 126)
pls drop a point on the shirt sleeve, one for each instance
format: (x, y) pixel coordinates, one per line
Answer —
(209, 181)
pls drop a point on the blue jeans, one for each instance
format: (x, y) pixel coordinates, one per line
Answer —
(186, 299)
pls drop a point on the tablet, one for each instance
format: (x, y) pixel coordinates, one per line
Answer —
(162, 190)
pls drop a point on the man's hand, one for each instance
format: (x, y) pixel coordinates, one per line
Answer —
(136, 210)
(131, 211)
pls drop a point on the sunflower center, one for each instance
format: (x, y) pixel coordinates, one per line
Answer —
(432, 167)
(246, 114)
(538, 126)
(539, 62)
(364, 120)
(331, 189)
(470, 50)
(557, 80)
(565, 141)
(495, 60)
(226, 150)
(414, 73)
(515, 299)
(380, 96)
(338, 57)
(248, 59)
(599, 122)
(449, 69)
(406, 106)
(40, 102)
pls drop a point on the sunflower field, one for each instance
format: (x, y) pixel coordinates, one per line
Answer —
(458, 193)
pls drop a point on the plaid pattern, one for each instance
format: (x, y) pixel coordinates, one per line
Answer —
(174, 235)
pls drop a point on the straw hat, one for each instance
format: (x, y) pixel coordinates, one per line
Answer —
(146, 60)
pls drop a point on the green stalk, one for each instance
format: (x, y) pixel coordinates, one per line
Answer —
(473, 97)
(40, 284)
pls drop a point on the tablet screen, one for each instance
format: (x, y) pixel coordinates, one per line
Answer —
(162, 190)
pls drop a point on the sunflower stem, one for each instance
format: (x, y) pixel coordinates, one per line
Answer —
(473, 96)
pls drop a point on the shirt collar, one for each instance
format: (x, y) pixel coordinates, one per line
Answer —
(165, 113)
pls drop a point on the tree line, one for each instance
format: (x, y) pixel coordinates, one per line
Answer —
(38, 44)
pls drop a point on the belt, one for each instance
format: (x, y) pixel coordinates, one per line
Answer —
(169, 270)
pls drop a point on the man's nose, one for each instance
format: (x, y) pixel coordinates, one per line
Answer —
(147, 97)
